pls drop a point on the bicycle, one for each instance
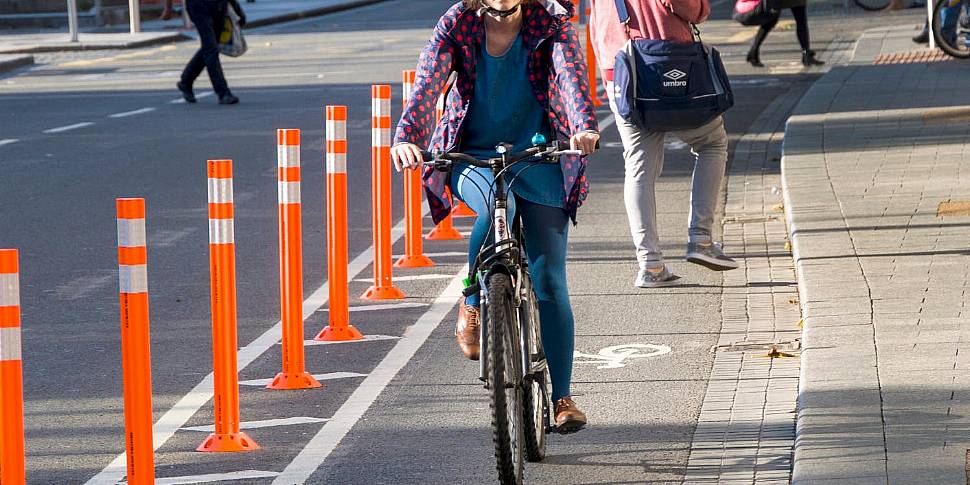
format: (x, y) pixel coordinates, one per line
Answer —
(951, 27)
(513, 364)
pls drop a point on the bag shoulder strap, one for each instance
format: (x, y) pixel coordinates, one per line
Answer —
(624, 16)
(621, 11)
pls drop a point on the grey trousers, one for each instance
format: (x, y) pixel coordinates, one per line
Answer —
(643, 154)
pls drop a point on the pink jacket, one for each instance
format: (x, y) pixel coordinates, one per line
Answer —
(649, 19)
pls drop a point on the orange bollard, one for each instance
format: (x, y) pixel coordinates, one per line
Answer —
(591, 67)
(293, 376)
(11, 373)
(413, 236)
(444, 231)
(462, 210)
(383, 287)
(135, 342)
(222, 277)
(339, 327)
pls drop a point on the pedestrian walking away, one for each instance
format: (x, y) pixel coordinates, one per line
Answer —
(800, 12)
(209, 19)
(643, 149)
(518, 74)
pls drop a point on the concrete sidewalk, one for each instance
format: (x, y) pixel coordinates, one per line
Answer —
(874, 200)
(260, 13)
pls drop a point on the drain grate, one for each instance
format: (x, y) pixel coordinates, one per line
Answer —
(749, 219)
(770, 349)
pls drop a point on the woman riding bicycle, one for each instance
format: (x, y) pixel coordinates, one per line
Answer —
(519, 71)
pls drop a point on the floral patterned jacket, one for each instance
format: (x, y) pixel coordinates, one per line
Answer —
(556, 69)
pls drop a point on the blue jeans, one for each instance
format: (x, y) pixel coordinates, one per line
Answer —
(545, 230)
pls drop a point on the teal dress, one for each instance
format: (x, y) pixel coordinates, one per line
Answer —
(505, 110)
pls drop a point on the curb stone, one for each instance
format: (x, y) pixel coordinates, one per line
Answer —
(11, 62)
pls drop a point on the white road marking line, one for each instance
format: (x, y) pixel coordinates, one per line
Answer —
(266, 423)
(197, 96)
(320, 377)
(417, 277)
(62, 129)
(330, 435)
(8, 141)
(131, 113)
(387, 306)
(367, 338)
(215, 477)
(440, 255)
(185, 408)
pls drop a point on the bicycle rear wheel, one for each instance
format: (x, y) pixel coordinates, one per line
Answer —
(872, 5)
(950, 28)
(505, 380)
(535, 403)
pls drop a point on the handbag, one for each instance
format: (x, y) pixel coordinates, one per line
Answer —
(231, 40)
(754, 12)
(661, 85)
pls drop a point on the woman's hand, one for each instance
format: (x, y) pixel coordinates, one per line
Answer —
(584, 141)
(406, 155)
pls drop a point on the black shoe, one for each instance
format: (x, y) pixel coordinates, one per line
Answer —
(754, 59)
(228, 98)
(187, 93)
(922, 37)
(808, 59)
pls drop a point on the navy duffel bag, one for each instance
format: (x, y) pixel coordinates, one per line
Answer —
(662, 85)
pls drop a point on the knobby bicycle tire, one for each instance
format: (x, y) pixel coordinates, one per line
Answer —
(872, 5)
(955, 44)
(503, 365)
(535, 406)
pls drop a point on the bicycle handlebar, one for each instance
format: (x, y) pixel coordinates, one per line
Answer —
(549, 153)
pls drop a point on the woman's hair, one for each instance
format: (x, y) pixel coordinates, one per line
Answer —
(477, 4)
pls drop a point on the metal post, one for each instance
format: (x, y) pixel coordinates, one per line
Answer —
(72, 19)
(929, 22)
(134, 16)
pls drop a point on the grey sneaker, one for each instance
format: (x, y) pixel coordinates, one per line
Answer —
(649, 279)
(711, 256)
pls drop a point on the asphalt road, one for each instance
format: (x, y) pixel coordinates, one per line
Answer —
(430, 424)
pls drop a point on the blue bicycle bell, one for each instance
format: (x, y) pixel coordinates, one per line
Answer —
(539, 139)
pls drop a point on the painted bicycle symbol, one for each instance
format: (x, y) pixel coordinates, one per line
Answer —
(615, 357)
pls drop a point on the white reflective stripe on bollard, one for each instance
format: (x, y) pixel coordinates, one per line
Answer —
(336, 163)
(288, 156)
(221, 231)
(9, 289)
(288, 192)
(131, 233)
(10, 344)
(220, 191)
(133, 278)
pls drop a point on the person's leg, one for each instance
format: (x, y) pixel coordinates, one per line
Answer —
(210, 48)
(546, 230)
(643, 161)
(200, 18)
(473, 187)
(759, 38)
(801, 27)
(709, 146)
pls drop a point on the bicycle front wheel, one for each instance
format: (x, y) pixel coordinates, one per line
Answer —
(951, 28)
(505, 379)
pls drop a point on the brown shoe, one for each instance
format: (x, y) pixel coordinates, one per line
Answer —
(467, 331)
(569, 418)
